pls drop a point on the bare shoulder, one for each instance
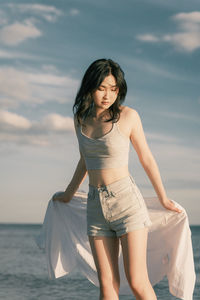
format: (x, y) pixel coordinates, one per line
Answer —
(129, 120)
(130, 114)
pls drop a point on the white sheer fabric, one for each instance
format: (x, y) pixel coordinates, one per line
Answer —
(169, 246)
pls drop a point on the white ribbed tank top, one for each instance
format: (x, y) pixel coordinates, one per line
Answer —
(109, 151)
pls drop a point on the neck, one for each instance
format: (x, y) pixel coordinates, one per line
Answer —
(99, 114)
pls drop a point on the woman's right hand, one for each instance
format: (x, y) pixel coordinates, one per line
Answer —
(62, 197)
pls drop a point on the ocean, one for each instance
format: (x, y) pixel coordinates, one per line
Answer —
(23, 271)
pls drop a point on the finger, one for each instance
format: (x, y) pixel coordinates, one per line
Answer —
(176, 209)
(172, 207)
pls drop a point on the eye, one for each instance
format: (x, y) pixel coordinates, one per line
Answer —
(100, 88)
(114, 90)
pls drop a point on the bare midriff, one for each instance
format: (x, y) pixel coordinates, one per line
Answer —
(101, 177)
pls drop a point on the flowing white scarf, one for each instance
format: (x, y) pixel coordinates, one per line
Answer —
(169, 246)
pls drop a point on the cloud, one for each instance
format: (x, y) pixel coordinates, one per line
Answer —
(8, 55)
(12, 120)
(5, 54)
(56, 122)
(17, 88)
(12, 35)
(34, 87)
(187, 41)
(153, 69)
(147, 38)
(48, 12)
(74, 12)
(187, 37)
(161, 138)
(49, 123)
(189, 18)
(179, 116)
(18, 129)
(19, 31)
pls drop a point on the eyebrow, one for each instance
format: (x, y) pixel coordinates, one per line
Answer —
(109, 85)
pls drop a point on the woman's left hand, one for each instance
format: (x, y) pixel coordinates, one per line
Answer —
(168, 204)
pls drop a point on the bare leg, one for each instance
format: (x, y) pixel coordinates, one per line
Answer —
(134, 245)
(105, 251)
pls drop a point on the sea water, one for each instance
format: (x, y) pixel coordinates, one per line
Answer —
(23, 270)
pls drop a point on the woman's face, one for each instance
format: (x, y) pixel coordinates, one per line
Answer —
(106, 94)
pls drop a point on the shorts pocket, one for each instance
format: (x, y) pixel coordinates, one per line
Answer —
(126, 203)
(123, 191)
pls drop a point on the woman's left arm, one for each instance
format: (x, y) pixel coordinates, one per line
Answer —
(147, 160)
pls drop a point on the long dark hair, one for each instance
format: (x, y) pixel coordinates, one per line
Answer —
(92, 79)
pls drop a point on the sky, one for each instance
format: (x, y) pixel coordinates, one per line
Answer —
(45, 48)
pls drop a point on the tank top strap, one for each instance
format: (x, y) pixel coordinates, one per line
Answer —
(116, 127)
(119, 131)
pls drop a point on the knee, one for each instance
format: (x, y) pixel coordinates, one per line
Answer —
(138, 286)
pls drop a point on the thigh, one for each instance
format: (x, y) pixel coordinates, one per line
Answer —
(105, 252)
(134, 247)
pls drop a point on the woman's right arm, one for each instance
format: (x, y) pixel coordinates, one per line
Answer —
(78, 177)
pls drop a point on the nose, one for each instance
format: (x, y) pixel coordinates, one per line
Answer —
(106, 94)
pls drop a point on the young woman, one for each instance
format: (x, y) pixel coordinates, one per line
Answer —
(116, 211)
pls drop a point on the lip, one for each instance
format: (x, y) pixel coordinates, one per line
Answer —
(105, 102)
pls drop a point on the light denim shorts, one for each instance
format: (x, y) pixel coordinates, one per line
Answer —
(116, 208)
